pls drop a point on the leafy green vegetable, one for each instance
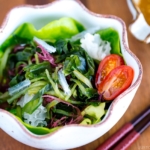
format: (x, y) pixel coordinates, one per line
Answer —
(54, 85)
(58, 29)
(82, 78)
(84, 91)
(74, 62)
(32, 105)
(15, 80)
(13, 111)
(62, 112)
(78, 59)
(86, 121)
(112, 36)
(39, 92)
(49, 106)
(4, 97)
(38, 130)
(62, 46)
(19, 112)
(37, 68)
(16, 96)
(94, 112)
(3, 61)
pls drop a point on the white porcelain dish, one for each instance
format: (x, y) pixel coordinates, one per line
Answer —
(139, 28)
(70, 136)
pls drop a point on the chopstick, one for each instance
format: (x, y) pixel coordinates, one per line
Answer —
(126, 135)
(131, 137)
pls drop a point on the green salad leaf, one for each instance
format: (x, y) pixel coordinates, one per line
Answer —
(94, 113)
(72, 63)
(112, 36)
(58, 29)
(38, 130)
(32, 105)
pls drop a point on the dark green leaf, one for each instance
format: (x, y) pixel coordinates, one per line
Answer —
(13, 111)
(37, 68)
(25, 55)
(90, 66)
(19, 112)
(62, 46)
(15, 80)
(74, 62)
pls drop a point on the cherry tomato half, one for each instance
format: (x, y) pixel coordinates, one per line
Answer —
(117, 81)
(106, 65)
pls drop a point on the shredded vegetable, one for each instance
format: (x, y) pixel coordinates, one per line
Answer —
(20, 86)
(63, 82)
(37, 117)
(101, 48)
(44, 45)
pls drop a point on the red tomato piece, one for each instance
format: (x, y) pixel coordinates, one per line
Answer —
(106, 65)
(117, 81)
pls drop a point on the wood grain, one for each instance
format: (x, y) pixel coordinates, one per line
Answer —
(142, 51)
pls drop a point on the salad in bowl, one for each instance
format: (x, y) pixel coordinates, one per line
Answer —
(64, 77)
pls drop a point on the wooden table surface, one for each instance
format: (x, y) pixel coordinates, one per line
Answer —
(141, 50)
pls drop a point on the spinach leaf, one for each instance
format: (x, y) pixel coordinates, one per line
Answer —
(62, 46)
(77, 59)
(25, 55)
(90, 66)
(74, 62)
(15, 80)
(37, 68)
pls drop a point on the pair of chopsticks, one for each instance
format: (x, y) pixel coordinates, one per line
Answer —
(126, 135)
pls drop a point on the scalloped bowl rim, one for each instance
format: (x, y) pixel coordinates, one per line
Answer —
(112, 107)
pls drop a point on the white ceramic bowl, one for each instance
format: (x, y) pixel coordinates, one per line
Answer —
(70, 136)
(139, 27)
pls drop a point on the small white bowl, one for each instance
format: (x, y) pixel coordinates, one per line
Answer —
(139, 28)
(70, 136)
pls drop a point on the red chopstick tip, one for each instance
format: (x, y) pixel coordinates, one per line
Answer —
(125, 136)
(116, 137)
(125, 143)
